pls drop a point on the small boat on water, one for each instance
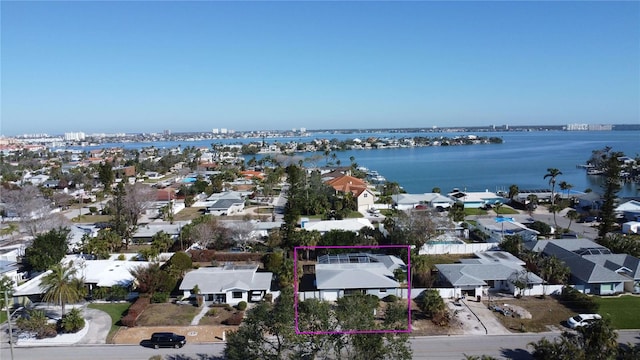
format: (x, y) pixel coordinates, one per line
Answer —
(595, 172)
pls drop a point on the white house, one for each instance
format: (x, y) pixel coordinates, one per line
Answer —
(630, 210)
(228, 284)
(228, 203)
(354, 225)
(499, 227)
(476, 199)
(433, 200)
(631, 227)
(338, 275)
(489, 271)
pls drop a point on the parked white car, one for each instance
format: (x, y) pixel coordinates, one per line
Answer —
(582, 320)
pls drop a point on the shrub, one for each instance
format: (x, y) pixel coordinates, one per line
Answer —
(117, 293)
(242, 305)
(135, 311)
(268, 297)
(72, 322)
(122, 257)
(390, 298)
(159, 297)
(93, 209)
(212, 312)
(235, 319)
(49, 331)
(577, 301)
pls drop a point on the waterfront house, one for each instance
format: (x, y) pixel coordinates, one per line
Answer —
(476, 199)
(228, 284)
(432, 200)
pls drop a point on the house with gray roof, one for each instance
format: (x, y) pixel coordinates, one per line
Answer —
(489, 271)
(499, 227)
(228, 284)
(630, 210)
(228, 203)
(338, 275)
(594, 268)
(433, 200)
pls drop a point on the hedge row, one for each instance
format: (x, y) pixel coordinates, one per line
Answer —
(210, 255)
(577, 301)
(235, 319)
(135, 311)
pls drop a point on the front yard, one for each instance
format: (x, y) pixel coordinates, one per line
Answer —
(623, 311)
(546, 313)
(167, 314)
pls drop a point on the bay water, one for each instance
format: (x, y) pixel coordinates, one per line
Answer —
(522, 159)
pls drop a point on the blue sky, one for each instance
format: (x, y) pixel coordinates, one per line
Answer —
(150, 66)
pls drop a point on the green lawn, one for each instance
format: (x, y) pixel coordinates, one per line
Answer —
(474, 211)
(116, 311)
(3, 316)
(623, 311)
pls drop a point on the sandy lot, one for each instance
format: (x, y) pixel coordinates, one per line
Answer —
(194, 334)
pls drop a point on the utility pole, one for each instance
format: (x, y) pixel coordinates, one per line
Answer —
(6, 305)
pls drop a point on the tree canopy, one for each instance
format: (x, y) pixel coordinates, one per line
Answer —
(47, 249)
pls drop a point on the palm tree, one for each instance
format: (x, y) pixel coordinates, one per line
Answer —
(513, 191)
(497, 208)
(61, 285)
(554, 209)
(572, 215)
(533, 201)
(552, 173)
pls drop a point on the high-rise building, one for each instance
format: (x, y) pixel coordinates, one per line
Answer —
(74, 136)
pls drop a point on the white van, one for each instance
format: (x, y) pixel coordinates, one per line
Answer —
(582, 320)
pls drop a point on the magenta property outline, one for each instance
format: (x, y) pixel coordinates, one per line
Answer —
(295, 290)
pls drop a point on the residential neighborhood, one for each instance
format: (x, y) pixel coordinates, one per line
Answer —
(196, 237)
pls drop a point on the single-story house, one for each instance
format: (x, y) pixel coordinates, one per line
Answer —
(355, 225)
(96, 273)
(476, 199)
(489, 271)
(433, 200)
(338, 275)
(228, 284)
(227, 203)
(630, 210)
(499, 227)
(594, 268)
(590, 200)
(145, 232)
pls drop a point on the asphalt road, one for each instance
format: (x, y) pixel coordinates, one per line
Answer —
(512, 346)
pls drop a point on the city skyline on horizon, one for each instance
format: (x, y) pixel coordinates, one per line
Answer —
(133, 67)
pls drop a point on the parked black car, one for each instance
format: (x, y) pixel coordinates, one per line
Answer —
(166, 339)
